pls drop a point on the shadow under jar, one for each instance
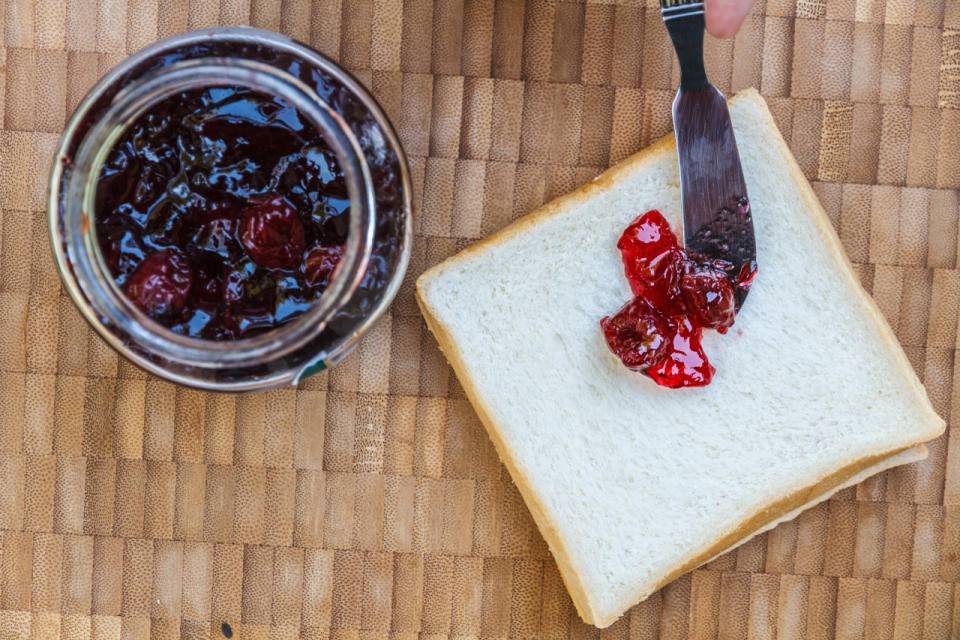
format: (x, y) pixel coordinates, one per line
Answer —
(230, 210)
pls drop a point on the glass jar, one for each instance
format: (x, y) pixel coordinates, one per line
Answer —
(352, 124)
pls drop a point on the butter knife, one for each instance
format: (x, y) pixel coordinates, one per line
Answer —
(717, 221)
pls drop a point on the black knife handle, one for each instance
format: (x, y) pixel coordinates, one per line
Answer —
(685, 24)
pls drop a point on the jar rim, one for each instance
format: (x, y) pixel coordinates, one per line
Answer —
(270, 343)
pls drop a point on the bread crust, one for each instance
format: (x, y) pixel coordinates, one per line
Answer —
(778, 509)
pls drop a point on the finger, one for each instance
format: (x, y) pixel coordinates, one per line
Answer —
(724, 17)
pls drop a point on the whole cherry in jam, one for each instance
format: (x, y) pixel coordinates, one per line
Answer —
(685, 364)
(272, 233)
(160, 284)
(677, 296)
(708, 297)
(320, 262)
(637, 333)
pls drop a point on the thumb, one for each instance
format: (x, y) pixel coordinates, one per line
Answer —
(724, 17)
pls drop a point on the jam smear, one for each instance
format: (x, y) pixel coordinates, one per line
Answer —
(222, 212)
(676, 297)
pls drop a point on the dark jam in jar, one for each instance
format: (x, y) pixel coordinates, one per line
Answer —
(676, 296)
(222, 213)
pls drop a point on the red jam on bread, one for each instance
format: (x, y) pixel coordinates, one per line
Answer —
(676, 297)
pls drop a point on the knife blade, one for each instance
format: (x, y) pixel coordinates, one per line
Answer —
(717, 220)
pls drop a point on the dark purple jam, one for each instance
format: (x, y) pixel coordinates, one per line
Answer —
(191, 279)
(222, 213)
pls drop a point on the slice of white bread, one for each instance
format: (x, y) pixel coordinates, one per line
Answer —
(633, 484)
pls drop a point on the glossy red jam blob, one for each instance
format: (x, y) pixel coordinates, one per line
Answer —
(677, 296)
(637, 333)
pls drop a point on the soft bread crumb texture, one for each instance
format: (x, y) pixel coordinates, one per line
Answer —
(629, 481)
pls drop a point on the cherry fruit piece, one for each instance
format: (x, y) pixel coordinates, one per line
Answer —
(709, 297)
(272, 233)
(216, 236)
(636, 334)
(320, 262)
(160, 284)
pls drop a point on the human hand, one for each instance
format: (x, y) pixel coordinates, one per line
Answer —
(724, 17)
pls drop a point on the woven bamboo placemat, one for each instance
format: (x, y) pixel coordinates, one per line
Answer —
(368, 504)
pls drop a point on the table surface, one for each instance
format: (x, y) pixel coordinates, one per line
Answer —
(368, 504)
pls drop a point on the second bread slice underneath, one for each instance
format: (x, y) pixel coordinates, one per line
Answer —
(632, 484)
